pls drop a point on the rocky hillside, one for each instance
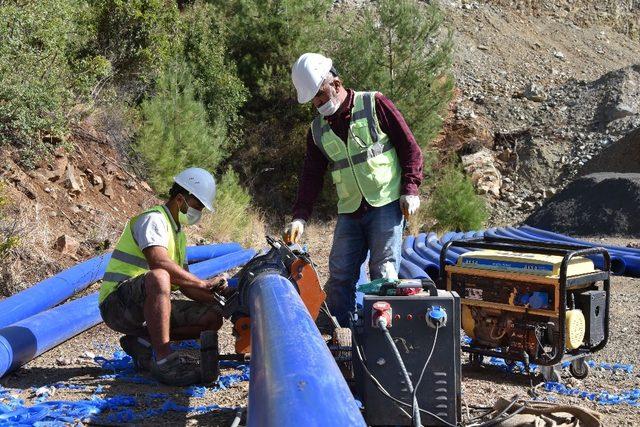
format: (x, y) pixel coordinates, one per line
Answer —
(542, 90)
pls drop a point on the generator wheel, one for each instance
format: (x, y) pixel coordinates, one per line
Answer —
(579, 368)
(476, 360)
(550, 374)
(209, 367)
(341, 337)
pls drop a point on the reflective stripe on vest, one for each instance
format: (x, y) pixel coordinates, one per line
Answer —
(128, 261)
(367, 165)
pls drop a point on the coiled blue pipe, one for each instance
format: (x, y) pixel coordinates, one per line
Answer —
(205, 252)
(409, 270)
(52, 291)
(294, 379)
(55, 289)
(431, 257)
(30, 337)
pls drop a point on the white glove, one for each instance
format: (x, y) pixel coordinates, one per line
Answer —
(409, 204)
(293, 231)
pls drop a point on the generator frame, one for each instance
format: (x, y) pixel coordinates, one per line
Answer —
(565, 284)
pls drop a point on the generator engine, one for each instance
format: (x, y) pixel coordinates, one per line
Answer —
(542, 303)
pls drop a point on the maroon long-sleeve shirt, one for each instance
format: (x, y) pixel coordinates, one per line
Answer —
(391, 122)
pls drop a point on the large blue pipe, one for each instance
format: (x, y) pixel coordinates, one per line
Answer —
(220, 264)
(52, 291)
(294, 379)
(205, 252)
(28, 338)
(558, 236)
(409, 270)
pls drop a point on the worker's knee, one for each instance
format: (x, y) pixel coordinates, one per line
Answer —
(212, 321)
(157, 281)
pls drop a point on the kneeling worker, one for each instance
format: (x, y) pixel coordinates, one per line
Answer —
(148, 263)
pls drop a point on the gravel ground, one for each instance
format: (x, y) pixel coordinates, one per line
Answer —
(69, 364)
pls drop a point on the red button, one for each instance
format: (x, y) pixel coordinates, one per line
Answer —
(397, 317)
(409, 317)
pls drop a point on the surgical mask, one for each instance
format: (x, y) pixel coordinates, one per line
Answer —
(329, 107)
(191, 217)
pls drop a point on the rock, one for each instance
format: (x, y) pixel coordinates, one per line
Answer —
(26, 188)
(58, 168)
(45, 391)
(535, 92)
(131, 185)
(110, 168)
(559, 55)
(88, 355)
(107, 189)
(483, 47)
(70, 181)
(66, 245)
(63, 361)
(480, 166)
(146, 186)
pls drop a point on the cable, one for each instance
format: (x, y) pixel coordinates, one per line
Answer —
(424, 368)
(415, 419)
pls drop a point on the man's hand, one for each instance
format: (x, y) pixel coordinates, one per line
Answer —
(293, 231)
(217, 284)
(409, 204)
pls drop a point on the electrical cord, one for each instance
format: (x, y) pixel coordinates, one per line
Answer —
(424, 368)
(415, 408)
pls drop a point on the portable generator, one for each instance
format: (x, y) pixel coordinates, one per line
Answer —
(406, 338)
(534, 302)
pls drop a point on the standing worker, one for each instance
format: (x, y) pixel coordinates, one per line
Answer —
(376, 166)
(148, 263)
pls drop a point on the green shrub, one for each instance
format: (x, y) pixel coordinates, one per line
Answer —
(454, 203)
(215, 78)
(138, 37)
(44, 71)
(234, 219)
(398, 47)
(8, 233)
(175, 132)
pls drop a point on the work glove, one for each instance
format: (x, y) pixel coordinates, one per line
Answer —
(218, 284)
(293, 231)
(409, 204)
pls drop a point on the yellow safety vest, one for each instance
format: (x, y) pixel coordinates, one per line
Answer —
(128, 261)
(367, 165)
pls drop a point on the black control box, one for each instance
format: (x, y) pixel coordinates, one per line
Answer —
(411, 322)
(594, 307)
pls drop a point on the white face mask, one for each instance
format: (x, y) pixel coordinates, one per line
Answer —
(329, 107)
(191, 217)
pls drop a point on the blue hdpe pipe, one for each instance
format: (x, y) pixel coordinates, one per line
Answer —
(28, 338)
(409, 254)
(294, 379)
(52, 291)
(55, 289)
(215, 266)
(409, 270)
(205, 252)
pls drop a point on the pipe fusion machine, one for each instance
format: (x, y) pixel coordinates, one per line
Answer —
(534, 302)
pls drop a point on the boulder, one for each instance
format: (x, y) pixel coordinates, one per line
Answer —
(480, 167)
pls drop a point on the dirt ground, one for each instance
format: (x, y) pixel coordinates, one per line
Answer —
(78, 376)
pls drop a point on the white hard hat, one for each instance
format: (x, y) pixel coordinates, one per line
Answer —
(199, 183)
(308, 73)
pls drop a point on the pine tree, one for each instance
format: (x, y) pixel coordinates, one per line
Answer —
(398, 47)
(175, 133)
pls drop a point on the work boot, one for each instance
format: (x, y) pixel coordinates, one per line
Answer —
(175, 371)
(139, 349)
